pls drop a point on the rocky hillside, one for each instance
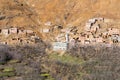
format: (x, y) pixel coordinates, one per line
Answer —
(74, 11)
(34, 13)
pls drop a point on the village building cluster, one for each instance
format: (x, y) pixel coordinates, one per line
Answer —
(93, 34)
(17, 36)
(9, 31)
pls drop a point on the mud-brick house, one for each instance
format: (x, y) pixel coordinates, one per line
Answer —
(95, 28)
(29, 32)
(82, 39)
(5, 32)
(119, 39)
(64, 30)
(48, 23)
(28, 42)
(115, 38)
(13, 30)
(88, 26)
(61, 38)
(13, 41)
(24, 41)
(93, 20)
(113, 31)
(92, 40)
(4, 43)
(100, 19)
(105, 34)
(46, 30)
(87, 42)
(21, 31)
(99, 40)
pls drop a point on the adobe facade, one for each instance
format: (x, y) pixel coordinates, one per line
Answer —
(16, 36)
(94, 33)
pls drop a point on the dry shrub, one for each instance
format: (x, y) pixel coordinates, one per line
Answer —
(102, 63)
(21, 52)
